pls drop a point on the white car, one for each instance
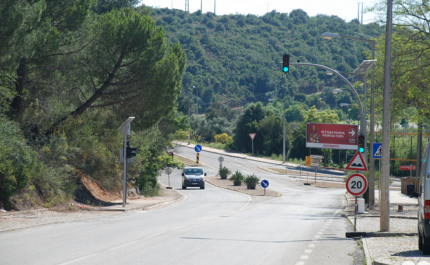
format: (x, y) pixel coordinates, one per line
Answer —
(193, 177)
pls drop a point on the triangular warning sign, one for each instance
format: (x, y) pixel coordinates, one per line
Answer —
(357, 163)
(379, 151)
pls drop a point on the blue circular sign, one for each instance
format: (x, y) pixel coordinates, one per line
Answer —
(198, 148)
(264, 183)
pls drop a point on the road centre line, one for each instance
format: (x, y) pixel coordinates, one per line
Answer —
(311, 246)
(300, 263)
(246, 208)
(307, 251)
(304, 257)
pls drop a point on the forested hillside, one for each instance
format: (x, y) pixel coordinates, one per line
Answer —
(235, 59)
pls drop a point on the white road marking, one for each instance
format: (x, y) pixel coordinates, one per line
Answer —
(156, 234)
(311, 246)
(320, 233)
(78, 259)
(307, 251)
(316, 236)
(123, 245)
(304, 257)
(300, 263)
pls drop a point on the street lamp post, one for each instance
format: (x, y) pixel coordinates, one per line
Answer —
(328, 35)
(360, 106)
(283, 141)
(197, 100)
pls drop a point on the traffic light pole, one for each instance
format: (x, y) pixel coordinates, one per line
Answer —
(124, 199)
(360, 106)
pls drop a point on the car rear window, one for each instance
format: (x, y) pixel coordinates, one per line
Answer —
(193, 171)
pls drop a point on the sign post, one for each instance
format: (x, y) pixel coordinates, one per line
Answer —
(220, 160)
(168, 172)
(356, 185)
(316, 160)
(198, 148)
(252, 135)
(308, 163)
(264, 183)
(125, 130)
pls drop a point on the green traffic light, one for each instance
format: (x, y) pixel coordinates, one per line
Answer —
(361, 150)
(285, 69)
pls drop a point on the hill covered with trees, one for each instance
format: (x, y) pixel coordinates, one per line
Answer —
(235, 59)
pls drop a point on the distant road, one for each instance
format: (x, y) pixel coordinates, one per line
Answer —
(211, 226)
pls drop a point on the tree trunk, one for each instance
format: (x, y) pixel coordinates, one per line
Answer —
(16, 105)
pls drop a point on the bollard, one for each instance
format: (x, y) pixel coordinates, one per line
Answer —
(400, 208)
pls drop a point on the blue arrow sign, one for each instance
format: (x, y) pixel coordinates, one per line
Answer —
(377, 150)
(198, 148)
(264, 183)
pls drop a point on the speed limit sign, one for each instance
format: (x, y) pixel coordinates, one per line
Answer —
(356, 184)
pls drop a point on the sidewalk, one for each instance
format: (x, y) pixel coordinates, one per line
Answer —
(25, 219)
(398, 245)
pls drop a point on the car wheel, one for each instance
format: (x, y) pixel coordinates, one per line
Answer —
(202, 187)
(184, 187)
(420, 241)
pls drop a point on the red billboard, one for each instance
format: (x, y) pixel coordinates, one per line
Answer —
(332, 136)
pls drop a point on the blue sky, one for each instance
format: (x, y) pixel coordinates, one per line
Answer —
(345, 9)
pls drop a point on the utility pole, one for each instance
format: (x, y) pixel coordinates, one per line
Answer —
(201, 6)
(358, 13)
(386, 128)
(361, 13)
(372, 135)
(214, 7)
(189, 117)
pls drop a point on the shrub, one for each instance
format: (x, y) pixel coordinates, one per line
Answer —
(17, 160)
(237, 178)
(222, 138)
(223, 172)
(251, 181)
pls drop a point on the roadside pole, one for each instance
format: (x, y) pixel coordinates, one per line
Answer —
(386, 128)
(125, 130)
(252, 136)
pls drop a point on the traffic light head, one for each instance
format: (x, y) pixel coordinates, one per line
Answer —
(131, 152)
(361, 143)
(286, 63)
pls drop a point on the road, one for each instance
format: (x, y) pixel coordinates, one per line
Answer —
(211, 226)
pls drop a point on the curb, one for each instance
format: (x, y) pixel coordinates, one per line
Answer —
(377, 234)
(23, 212)
(366, 252)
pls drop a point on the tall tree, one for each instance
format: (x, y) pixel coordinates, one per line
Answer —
(130, 67)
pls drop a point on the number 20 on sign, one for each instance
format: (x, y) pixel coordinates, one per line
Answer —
(356, 184)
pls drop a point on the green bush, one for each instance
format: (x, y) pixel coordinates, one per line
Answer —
(224, 172)
(251, 181)
(17, 160)
(237, 178)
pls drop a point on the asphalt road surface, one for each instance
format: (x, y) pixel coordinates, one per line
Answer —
(211, 226)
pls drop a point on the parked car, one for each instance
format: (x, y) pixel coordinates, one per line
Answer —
(193, 177)
(424, 204)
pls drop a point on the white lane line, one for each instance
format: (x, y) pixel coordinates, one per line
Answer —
(300, 263)
(314, 241)
(123, 245)
(156, 234)
(316, 236)
(320, 233)
(307, 251)
(304, 257)
(78, 259)
(247, 203)
(311, 246)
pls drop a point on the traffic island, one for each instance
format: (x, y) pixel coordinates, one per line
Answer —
(228, 184)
